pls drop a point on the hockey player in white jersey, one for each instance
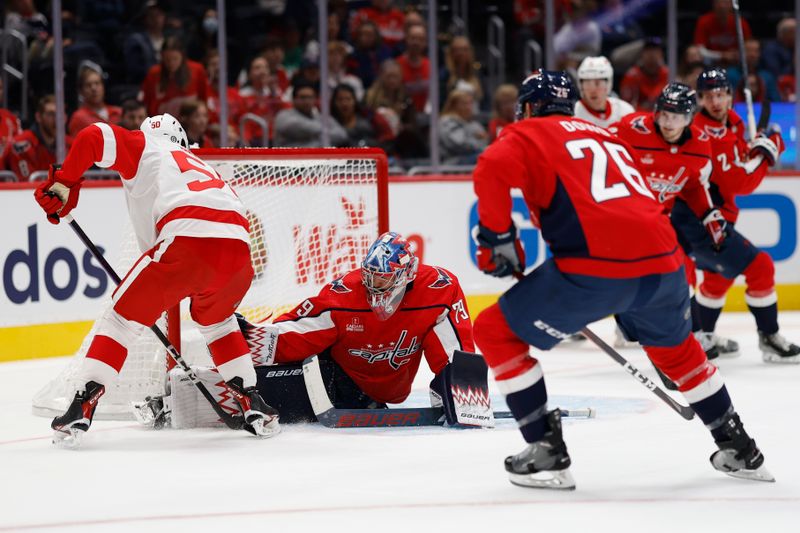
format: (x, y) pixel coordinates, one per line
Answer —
(194, 237)
(595, 79)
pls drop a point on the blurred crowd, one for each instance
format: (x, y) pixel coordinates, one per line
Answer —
(127, 59)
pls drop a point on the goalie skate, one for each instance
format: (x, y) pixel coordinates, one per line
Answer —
(544, 464)
(153, 412)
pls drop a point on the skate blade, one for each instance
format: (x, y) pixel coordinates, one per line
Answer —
(773, 358)
(265, 427)
(759, 474)
(553, 479)
(70, 439)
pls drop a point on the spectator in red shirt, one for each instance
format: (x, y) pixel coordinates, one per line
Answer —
(389, 20)
(193, 116)
(715, 33)
(235, 104)
(274, 54)
(786, 86)
(261, 96)
(173, 80)
(34, 149)
(133, 114)
(504, 105)
(642, 84)
(93, 106)
(9, 124)
(416, 67)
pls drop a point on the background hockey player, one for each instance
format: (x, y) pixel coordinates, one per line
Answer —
(739, 168)
(371, 328)
(614, 252)
(675, 160)
(596, 79)
(193, 232)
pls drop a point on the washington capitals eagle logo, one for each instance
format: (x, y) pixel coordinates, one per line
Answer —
(639, 125)
(442, 281)
(339, 287)
(717, 133)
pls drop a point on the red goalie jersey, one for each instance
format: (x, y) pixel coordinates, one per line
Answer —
(670, 170)
(734, 173)
(382, 357)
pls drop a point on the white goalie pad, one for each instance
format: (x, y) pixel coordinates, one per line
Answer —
(190, 409)
(473, 406)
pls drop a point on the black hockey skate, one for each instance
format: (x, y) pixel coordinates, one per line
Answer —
(70, 427)
(544, 464)
(260, 419)
(708, 344)
(738, 455)
(776, 349)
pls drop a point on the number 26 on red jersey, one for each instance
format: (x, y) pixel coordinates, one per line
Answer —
(620, 157)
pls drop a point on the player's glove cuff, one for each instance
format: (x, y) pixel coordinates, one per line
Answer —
(716, 226)
(499, 254)
(770, 147)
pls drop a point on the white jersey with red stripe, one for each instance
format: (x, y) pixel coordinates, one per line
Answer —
(169, 191)
(614, 111)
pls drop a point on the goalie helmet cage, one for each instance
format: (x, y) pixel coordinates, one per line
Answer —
(313, 214)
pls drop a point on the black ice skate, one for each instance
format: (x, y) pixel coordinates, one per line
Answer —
(70, 427)
(707, 342)
(261, 419)
(738, 455)
(776, 349)
(544, 464)
(728, 348)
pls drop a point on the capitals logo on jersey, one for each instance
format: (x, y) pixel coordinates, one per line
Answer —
(443, 280)
(339, 287)
(639, 125)
(666, 186)
(716, 133)
(394, 352)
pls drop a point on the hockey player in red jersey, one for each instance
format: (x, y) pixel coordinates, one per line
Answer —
(675, 160)
(614, 252)
(193, 233)
(739, 168)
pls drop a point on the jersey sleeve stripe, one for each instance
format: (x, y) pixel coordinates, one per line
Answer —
(447, 337)
(302, 325)
(109, 146)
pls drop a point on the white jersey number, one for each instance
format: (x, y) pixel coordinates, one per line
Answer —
(601, 192)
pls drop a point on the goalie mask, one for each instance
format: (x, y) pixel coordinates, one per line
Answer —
(165, 125)
(386, 272)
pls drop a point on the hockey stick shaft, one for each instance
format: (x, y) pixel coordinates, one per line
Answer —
(748, 95)
(683, 410)
(232, 421)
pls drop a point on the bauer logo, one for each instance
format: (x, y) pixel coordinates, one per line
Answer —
(31, 271)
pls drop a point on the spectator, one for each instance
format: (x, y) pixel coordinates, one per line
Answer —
(307, 73)
(504, 107)
(416, 67)
(369, 53)
(204, 37)
(766, 82)
(689, 72)
(261, 96)
(93, 106)
(142, 49)
(173, 80)
(461, 70)
(34, 149)
(461, 137)
(235, 104)
(193, 116)
(779, 54)
(389, 21)
(786, 86)
(23, 17)
(334, 30)
(274, 54)
(642, 84)
(579, 37)
(715, 33)
(301, 125)
(337, 74)
(618, 26)
(758, 89)
(9, 124)
(133, 114)
(347, 112)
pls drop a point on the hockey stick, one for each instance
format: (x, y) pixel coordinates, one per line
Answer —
(232, 421)
(330, 416)
(683, 410)
(748, 95)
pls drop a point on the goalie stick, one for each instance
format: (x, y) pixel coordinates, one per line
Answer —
(232, 421)
(332, 417)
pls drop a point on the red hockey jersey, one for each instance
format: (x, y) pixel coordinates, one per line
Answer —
(26, 154)
(584, 192)
(9, 127)
(734, 172)
(670, 170)
(382, 357)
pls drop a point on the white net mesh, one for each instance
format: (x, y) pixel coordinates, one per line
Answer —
(312, 219)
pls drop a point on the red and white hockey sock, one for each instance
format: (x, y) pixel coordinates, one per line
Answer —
(229, 351)
(109, 349)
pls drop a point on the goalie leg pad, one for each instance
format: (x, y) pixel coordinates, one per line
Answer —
(462, 390)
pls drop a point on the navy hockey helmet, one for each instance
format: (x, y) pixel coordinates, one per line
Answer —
(677, 98)
(548, 92)
(712, 79)
(388, 268)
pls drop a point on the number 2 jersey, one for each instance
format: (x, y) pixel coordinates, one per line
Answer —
(584, 191)
(169, 191)
(381, 357)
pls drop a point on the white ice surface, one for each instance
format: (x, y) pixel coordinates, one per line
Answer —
(639, 467)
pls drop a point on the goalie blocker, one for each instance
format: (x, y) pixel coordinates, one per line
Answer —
(460, 389)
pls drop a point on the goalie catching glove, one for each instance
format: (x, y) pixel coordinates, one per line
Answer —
(58, 196)
(768, 144)
(499, 254)
(461, 389)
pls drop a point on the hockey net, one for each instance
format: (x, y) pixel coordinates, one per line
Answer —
(313, 214)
